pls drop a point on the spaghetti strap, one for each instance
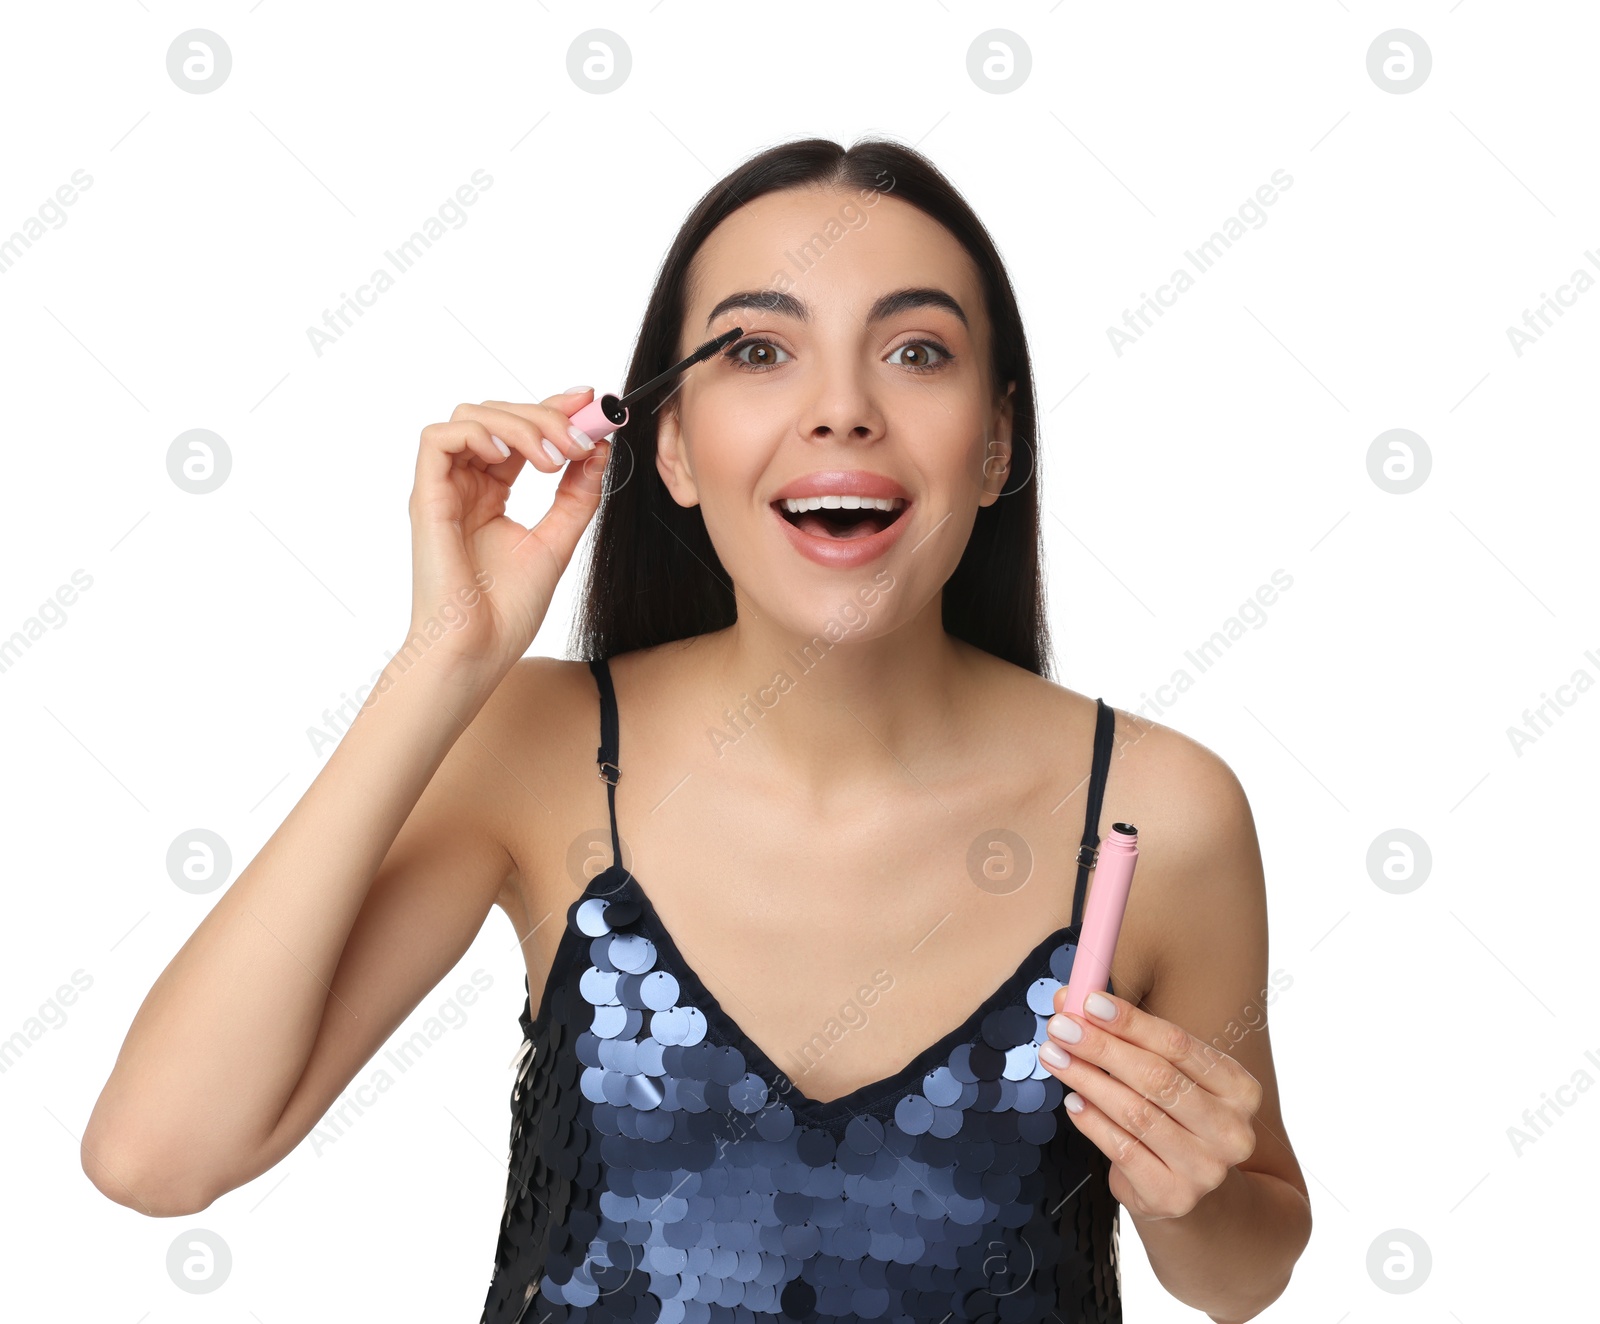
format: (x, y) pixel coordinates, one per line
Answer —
(1104, 726)
(1104, 732)
(606, 755)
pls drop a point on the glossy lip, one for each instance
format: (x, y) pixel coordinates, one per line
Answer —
(845, 554)
(845, 482)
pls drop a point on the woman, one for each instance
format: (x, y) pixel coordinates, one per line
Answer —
(790, 970)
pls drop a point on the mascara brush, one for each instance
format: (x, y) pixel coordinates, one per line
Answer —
(606, 413)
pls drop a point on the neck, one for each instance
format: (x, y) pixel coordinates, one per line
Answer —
(832, 718)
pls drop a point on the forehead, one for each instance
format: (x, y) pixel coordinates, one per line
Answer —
(831, 249)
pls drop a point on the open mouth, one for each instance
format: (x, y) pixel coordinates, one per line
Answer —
(840, 522)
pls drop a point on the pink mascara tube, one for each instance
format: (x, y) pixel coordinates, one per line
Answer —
(606, 413)
(1102, 916)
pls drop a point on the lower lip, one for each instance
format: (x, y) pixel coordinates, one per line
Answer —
(842, 553)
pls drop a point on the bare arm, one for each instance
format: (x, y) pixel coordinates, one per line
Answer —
(379, 878)
(362, 900)
(1232, 1254)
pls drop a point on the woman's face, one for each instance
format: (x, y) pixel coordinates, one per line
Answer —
(836, 389)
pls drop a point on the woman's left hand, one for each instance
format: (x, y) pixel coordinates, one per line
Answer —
(1173, 1113)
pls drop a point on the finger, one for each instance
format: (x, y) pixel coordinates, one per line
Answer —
(447, 445)
(1154, 1185)
(1124, 1119)
(1144, 1167)
(1149, 1087)
(577, 496)
(553, 422)
(547, 446)
(1170, 1168)
(1146, 1083)
(1136, 1045)
(523, 438)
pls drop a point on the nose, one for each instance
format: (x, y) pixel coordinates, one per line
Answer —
(842, 408)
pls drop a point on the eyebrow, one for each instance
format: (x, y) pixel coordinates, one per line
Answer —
(886, 305)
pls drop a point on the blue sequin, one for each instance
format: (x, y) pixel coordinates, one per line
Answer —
(654, 1178)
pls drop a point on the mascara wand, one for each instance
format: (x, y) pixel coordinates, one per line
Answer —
(606, 413)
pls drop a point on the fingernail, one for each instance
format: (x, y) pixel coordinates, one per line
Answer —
(1074, 1104)
(551, 451)
(500, 445)
(573, 390)
(1053, 1054)
(1064, 1027)
(1099, 1006)
(581, 437)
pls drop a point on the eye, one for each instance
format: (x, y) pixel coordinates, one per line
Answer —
(735, 354)
(924, 346)
(934, 356)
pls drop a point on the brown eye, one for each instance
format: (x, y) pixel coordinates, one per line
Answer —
(763, 354)
(923, 349)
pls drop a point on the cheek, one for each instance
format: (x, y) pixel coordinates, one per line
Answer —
(951, 449)
(730, 469)
(727, 440)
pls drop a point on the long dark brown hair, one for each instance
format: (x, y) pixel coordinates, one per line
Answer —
(653, 575)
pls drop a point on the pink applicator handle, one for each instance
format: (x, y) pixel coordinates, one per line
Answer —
(600, 417)
(1102, 916)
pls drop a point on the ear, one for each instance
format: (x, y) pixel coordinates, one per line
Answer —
(672, 461)
(997, 450)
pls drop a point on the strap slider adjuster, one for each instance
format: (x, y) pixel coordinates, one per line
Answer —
(615, 773)
(1091, 852)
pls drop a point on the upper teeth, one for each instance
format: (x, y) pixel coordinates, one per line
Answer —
(797, 505)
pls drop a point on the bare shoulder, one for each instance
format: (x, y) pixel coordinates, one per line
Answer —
(527, 740)
(544, 688)
(1199, 861)
(523, 723)
(1182, 795)
(1200, 876)
(1190, 791)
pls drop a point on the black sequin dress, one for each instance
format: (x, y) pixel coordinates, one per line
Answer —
(662, 1168)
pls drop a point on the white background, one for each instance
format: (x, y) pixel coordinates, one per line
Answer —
(1230, 442)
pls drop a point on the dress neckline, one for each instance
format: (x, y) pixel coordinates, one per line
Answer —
(616, 880)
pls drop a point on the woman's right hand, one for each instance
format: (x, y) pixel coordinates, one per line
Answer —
(484, 578)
